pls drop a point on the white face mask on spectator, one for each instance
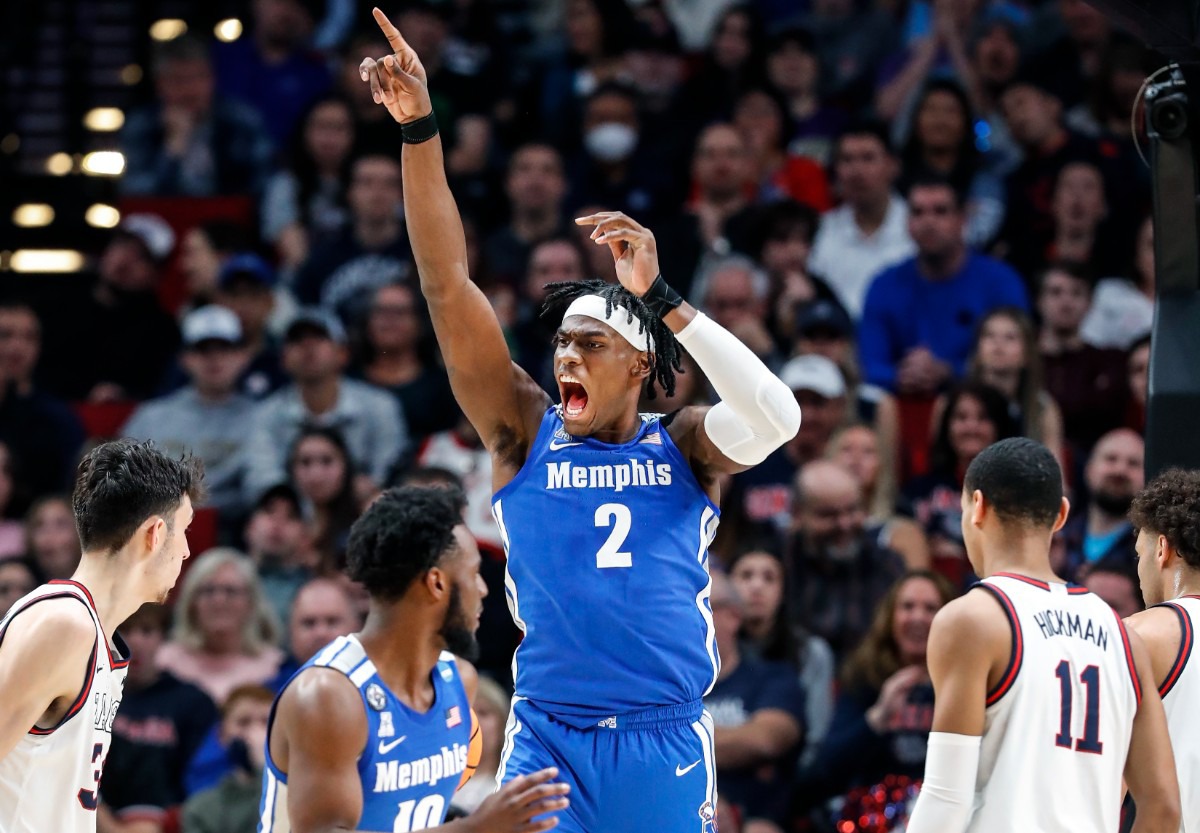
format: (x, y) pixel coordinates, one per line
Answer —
(611, 141)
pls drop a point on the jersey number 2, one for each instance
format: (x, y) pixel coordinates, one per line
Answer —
(419, 816)
(1090, 677)
(617, 516)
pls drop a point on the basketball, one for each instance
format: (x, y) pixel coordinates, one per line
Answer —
(474, 750)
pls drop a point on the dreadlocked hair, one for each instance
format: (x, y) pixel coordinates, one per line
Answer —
(665, 359)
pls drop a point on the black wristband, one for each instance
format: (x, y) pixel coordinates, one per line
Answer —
(421, 130)
(661, 298)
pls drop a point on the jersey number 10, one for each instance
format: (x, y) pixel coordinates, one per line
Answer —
(422, 815)
(1090, 677)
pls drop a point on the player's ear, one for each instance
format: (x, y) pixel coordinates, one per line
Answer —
(979, 508)
(437, 582)
(641, 365)
(1064, 510)
(1163, 551)
(152, 533)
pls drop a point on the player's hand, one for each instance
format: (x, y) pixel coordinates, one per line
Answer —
(398, 81)
(511, 809)
(632, 246)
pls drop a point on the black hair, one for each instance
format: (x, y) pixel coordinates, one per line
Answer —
(865, 127)
(1021, 480)
(664, 360)
(1076, 269)
(430, 477)
(305, 167)
(942, 458)
(343, 508)
(120, 484)
(1169, 505)
(402, 536)
(778, 221)
(783, 642)
(935, 180)
(966, 155)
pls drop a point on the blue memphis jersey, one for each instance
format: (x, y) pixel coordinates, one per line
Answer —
(608, 573)
(412, 763)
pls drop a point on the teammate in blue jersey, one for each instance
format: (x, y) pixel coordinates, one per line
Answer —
(372, 733)
(606, 513)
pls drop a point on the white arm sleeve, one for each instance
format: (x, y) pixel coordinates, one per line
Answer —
(948, 791)
(757, 413)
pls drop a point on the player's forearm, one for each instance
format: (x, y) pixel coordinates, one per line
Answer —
(435, 229)
(757, 412)
(1156, 817)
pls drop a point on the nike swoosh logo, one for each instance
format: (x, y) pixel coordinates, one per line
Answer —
(385, 748)
(684, 770)
(557, 446)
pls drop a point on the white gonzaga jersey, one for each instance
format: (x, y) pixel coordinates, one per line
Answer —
(50, 781)
(1181, 696)
(1058, 724)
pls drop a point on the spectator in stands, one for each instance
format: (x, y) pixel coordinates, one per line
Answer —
(858, 449)
(12, 532)
(1079, 210)
(731, 63)
(209, 416)
(248, 287)
(1087, 382)
(869, 231)
(129, 338)
(459, 450)
(321, 612)
(995, 54)
(555, 260)
(305, 203)
(1075, 58)
(491, 707)
(397, 356)
(884, 711)
(273, 69)
(769, 631)
(794, 69)
(40, 426)
(161, 723)
(276, 543)
(189, 142)
(851, 40)
(370, 251)
(757, 709)
(1123, 310)
(52, 542)
(760, 115)
(617, 168)
(942, 143)
(1116, 581)
(975, 416)
(234, 803)
(838, 569)
(1100, 529)
(18, 576)
(536, 187)
(203, 253)
(322, 474)
(763, 494)
(1033, 111)
(1139, 384)
(373, 128)
(370, 420)
(224, 633)
(1005, 357)
(734, 291)
(920, 316)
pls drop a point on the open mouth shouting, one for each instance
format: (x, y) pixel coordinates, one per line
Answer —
(574, 395)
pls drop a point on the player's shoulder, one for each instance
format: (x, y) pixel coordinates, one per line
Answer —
(319, 690)
(466, 673)
(972, 616)
(1157, 623)
(53, 617)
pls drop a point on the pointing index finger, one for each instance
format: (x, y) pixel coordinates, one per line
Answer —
(394, 38)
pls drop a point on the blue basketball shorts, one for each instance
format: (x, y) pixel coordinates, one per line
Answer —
(645, 772)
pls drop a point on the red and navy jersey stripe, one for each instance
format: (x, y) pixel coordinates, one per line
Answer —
(1133, 674)
(119, 658)
(1018, 646)
(1072, 589)
(89, 675)
(1186, 639)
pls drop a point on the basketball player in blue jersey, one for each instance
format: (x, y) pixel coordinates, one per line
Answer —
(372, 733)
(606, 513)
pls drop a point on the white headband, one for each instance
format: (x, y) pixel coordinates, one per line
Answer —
(593, 306)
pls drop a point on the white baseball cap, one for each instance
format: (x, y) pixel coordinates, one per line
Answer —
(211, 323)
(152, 231)
(815, 373)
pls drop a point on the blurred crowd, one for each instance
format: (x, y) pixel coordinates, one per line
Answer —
(928, 217)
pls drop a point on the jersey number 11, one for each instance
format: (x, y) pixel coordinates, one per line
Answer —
(1090, 677)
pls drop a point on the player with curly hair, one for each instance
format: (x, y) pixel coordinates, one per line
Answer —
(1166, 514)
(372, 733)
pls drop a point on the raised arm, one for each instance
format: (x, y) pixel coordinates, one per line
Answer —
(499, 398)
(757, 413)
(29, 684)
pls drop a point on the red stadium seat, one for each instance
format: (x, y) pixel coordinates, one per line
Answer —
(103, 420)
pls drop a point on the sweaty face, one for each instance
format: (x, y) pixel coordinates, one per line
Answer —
(466, 597)
(596, 370)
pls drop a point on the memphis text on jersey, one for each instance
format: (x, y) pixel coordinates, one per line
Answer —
(1061, 623)
(394, 775)
(618, 476)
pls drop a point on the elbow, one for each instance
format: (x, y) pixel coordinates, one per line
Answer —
(783, 410)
